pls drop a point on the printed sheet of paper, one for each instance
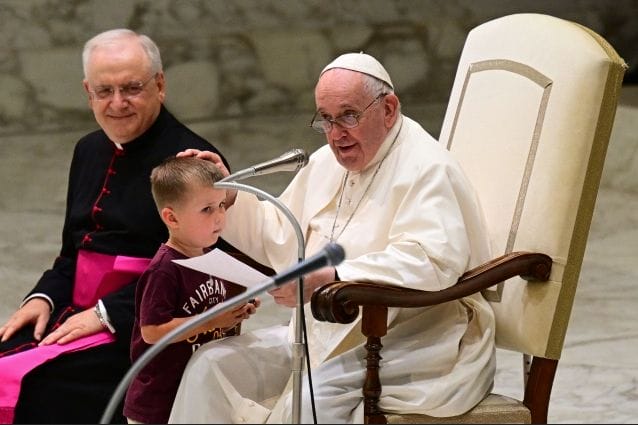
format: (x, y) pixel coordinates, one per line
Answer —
(218, 263)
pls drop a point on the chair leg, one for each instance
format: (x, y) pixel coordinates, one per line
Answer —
(372, 384)
(539, 388)
(373, 326)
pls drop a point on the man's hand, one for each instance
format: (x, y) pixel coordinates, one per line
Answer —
(286, 294)
(217, 160)
(36, 311)
(80, 324)
(208, 156)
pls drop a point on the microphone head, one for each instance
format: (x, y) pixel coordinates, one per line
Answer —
(334, 253)
(297, 158)
(293, 160)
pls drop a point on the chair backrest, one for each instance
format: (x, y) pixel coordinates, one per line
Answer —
(529, 117)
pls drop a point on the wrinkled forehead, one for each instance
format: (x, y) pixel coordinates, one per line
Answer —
(339, 86)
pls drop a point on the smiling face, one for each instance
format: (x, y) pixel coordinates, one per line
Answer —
(118, 64)
(339, 92)
(197, 220)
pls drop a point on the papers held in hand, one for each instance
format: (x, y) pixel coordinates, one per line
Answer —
(218, 263)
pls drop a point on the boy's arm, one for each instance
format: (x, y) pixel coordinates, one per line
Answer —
(226, 320)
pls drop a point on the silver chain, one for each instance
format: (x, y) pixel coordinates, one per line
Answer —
(343, 189)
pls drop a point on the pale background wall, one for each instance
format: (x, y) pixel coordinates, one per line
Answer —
(234, 68)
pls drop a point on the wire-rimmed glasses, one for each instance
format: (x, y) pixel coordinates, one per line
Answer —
(127, 91)
(324, 124)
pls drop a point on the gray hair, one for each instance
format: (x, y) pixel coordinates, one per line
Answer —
(374, 87)
(106, 37)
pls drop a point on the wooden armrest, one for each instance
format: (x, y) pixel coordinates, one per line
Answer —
(339, 302)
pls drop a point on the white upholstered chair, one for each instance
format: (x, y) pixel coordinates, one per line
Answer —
(529, 118)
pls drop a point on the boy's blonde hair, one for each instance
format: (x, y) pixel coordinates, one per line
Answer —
(174, 177)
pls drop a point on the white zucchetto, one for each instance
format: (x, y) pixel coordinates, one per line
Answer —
(360, 62)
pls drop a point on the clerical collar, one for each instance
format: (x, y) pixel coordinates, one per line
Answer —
(150, 136)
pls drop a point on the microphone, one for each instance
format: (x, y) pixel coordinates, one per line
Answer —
(293, 160)
(331, 255)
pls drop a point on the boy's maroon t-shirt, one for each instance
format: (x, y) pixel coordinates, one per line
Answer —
(165, 291)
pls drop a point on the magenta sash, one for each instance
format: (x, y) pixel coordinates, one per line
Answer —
(14, 367)
(96, 275)
(99, 274)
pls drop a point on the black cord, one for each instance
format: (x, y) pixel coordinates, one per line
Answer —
(305, 344)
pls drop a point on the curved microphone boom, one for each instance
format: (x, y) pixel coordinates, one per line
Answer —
(293, 160)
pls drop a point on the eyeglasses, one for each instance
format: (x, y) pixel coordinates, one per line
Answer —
(127, 91)
(324, 124)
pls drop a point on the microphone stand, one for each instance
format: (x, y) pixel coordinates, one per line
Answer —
(297, 347)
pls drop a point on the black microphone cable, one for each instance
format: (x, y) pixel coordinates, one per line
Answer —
(308, 372)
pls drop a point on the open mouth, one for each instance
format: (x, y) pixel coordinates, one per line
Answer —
(345, 149)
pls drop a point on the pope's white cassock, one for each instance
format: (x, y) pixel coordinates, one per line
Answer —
(410, 218)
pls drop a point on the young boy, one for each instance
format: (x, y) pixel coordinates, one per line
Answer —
(167, 294)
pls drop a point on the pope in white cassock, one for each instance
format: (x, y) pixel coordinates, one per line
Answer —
(405, 214)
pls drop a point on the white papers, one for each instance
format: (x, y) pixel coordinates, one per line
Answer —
(218, 263)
